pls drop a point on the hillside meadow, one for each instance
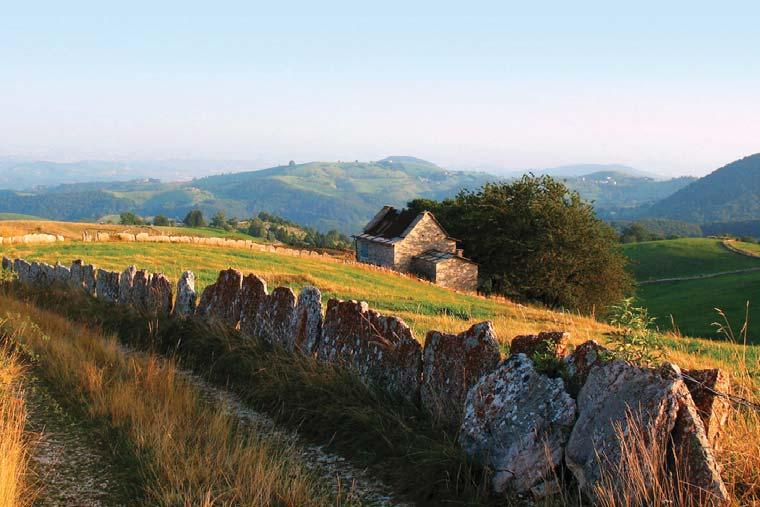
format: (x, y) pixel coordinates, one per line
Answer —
(422, 305)
(690, 307)
(653, 260)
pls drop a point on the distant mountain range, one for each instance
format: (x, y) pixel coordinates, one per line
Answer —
(344, 195)
(22, 174)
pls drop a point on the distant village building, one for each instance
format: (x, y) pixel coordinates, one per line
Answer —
(416, 243)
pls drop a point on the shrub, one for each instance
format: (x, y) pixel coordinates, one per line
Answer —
(637, 340)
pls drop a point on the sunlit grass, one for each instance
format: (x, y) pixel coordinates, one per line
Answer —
(15, 490)
(191, 451)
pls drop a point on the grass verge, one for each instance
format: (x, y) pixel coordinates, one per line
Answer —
(14, 446)
(190, 451)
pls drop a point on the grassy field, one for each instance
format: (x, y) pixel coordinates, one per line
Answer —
(73, 230)
(652, 260)
(422, 305)
(692, 304)
(752, 248)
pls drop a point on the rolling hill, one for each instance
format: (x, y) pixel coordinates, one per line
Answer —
(692, 303)
(729, 194)
(325, 195)
(616, 191)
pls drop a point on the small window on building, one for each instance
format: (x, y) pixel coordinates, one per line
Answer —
(363, 250)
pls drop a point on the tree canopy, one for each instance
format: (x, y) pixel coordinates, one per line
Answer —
(195, 218)
(537, 240)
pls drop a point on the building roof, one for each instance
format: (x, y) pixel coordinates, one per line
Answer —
(436, 256)
(391, 225)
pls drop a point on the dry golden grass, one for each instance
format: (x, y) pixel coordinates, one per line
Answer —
(14, 447)
(192, 452)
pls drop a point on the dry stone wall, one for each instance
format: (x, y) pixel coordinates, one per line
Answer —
(507, 414)
(452, 364)
(185, 306)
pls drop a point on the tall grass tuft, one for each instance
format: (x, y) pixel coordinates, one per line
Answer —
(14, 447)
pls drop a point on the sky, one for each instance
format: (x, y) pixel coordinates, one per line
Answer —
(671, 87)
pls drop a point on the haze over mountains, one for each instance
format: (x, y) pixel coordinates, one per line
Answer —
(344, 195)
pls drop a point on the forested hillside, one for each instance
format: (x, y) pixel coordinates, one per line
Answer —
(730, 194)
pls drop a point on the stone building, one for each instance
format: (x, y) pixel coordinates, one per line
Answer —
(415, 243)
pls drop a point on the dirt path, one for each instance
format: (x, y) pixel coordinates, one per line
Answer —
(697, 277)
(72, 465)
(341, 474)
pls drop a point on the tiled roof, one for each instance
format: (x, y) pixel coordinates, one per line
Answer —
(392, 224)
(436, 256)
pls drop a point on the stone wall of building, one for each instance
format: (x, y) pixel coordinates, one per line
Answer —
(426, 235)
(457, 274)
(374, 253)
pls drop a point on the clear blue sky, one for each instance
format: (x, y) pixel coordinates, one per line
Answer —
(667, 86)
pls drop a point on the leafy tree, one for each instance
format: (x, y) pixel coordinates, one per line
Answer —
(129, 218)
(636, 233)
(195, 219)
(537, 240)
(160, 220)
(219, 220)
(257, 228)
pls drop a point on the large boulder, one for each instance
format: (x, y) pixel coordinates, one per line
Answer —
(126, 286)
(381, 349)
(551, 342)
(220, 301)
(185, 305)
(276, 316)
(708, 389)
(517, 421)
(693, 464)
(159, 297)
(451, 365)
(626, 416)
(107, 285)
(253, 292)
(579, 363)
(307, 323)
